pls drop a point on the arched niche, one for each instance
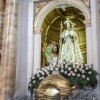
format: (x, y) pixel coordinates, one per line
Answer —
(41, 16)
(57, 4)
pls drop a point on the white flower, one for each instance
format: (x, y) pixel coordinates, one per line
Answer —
(40, 78)
(83, 76)
(89, 72)
(66, 66)
(78, 75)
(65, 72)
(88, 79)
(43, 68)
(33, 77)
(80, 69)
(62, 67)
(69, 68)
(51, 69)
(62, 70)
(73, 65)
(58, 65)
(90, 66)
(56, 68)
(38, 75)
(87, 68)
(75, 70)
(34, 81)
(83, 71)
(60, 61)
(69, 74)
(73, 74)
(64, 62)
(30, 84)
(47, 68)
(47, 72)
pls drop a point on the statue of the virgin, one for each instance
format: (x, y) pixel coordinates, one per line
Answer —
(69, 47)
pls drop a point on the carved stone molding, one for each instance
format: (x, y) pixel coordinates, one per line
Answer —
(38, 30)
(87, 23)
(87, 2)
(55, 4)
(39, 6)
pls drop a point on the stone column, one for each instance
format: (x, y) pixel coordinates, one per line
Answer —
(89, 42)
(1, 21)
(37, 50)
(8, 57)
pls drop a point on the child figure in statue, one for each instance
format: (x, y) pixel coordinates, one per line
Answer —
(52, 56)
(69, 47)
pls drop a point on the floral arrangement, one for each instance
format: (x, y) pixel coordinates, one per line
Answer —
(81, 75)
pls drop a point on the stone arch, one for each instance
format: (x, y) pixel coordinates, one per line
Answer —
(56, 4)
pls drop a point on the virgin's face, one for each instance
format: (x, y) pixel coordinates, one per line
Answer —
(68, 25)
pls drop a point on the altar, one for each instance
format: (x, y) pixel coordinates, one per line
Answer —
(63, 30)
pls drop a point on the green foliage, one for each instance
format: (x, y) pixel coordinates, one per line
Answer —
(79, 75)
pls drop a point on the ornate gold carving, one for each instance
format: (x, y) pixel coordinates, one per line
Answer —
(54, 82)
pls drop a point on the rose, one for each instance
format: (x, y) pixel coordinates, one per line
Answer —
(43, 68)
(62, 70)
(80, 69)
(51, 69)
(56, 69)
(33, 77)
(47, 72)
(73, 74)
(90, 66)
(65, 72)
(38, 75)
(83, 76)
(42, 73)
(69, 68)
(78, 75)
(62, 67)
(30, 84)
(64, 62)
(69, 74)
(66, 66)
(40, 78)
(87, 68)
(88, 78)
(34, 82)
(83, 71)
(75, 70)
(89, 72)
(58, 65)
